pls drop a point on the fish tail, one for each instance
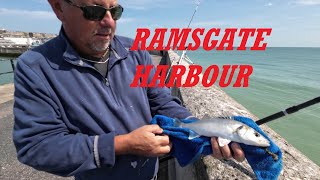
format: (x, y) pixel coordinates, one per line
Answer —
(273, 155)
(177, 122)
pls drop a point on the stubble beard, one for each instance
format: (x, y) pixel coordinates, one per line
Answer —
(99, 46)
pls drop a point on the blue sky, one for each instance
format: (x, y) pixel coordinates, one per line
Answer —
(294, 22)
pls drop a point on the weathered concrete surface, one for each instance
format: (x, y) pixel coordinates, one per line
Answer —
(6, 93)
(10, 167)
(214, 102)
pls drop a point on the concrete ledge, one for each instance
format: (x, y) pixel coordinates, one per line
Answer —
(214, 102)
(6, 93)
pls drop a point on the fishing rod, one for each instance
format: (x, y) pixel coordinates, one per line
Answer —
(195, 11)
(288, 111)
(185, 50)
(273, 117)
(168, 157)
(198, 3)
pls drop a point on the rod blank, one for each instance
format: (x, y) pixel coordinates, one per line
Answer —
(288, 111)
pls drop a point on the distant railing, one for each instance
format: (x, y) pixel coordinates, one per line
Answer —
(12, 66)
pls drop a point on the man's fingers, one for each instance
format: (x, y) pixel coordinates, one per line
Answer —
(226, 152)
(163, 140)
(155, 129)
(216, 148)
(164, 149)
(238, 153)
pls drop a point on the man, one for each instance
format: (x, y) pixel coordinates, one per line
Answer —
(75, 113)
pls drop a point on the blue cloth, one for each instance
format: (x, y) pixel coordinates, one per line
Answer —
(187, 151)
(62, 103)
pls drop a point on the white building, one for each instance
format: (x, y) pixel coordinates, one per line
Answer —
(22, 41)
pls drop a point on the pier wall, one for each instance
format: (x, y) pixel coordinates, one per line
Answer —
(12, 51)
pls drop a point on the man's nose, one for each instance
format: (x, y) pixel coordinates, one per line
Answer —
(107, 19)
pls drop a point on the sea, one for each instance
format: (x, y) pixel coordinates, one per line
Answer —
(281, 78)
(5, 69)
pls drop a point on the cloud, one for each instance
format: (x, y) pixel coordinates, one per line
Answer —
(147, 4)
(268, 4)
(40, 1)
(208, 23)
(307, 2)
(144, 4)
(126, 20)
(27, 14)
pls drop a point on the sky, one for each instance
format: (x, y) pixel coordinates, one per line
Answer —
(294, 23)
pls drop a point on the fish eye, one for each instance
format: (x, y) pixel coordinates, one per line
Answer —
(256, 134)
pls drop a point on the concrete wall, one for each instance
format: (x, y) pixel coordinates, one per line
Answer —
(12, 51)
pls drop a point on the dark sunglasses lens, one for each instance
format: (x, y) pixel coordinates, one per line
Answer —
(116, 12)
(94, 13)
(97, 13)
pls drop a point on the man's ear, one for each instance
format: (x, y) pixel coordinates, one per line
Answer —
(57, 7)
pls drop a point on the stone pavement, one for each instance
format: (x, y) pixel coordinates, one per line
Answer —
(10, 167)
(6, 93)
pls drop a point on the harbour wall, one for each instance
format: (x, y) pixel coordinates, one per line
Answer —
(12, 51)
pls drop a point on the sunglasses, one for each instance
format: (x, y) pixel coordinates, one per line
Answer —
(97, 13)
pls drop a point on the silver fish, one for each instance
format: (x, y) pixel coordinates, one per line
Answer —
(226, 129)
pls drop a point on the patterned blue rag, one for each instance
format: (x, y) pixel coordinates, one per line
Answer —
(187, 151)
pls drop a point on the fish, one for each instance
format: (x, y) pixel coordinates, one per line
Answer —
(226, 129)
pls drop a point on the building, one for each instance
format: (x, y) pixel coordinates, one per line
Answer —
(23, 39)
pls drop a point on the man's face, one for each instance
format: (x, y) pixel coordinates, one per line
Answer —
(88, 37)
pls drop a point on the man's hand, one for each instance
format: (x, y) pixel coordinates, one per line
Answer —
(225, 152)
(144, 141)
